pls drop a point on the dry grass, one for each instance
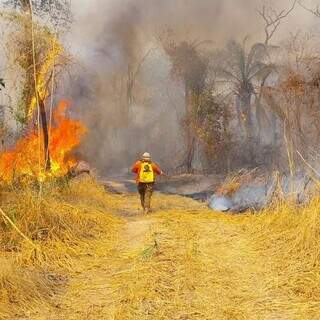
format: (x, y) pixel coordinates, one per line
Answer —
(234, 181)
(62, 225)
(212, 266)
(182, 262)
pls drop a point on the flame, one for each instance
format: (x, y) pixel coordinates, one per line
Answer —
(54, 52)
(27, 158)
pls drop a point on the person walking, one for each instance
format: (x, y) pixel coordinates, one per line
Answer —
(146, 172)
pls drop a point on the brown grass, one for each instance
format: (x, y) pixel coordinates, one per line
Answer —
(182, 262)
(61, 225)
(213, 266)
(235, 180)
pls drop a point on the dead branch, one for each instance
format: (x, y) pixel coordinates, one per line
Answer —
(272, 19)
(315, 11)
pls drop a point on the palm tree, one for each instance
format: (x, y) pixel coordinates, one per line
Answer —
(239, 68)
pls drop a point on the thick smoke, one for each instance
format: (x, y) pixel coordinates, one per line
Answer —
(113, 39)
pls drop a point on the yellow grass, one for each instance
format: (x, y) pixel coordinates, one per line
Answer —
(209, 266)
(181, 262)
(234, 181)
(62, 225)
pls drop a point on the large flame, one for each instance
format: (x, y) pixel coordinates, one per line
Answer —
(27, 158)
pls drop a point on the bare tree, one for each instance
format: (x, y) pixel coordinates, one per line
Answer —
(315, 11)
(294, 98)
(134, 69)
(273, 18)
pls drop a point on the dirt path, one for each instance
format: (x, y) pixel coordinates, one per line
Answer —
(186, 263)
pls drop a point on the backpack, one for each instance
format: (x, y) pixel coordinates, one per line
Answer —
(146, 172)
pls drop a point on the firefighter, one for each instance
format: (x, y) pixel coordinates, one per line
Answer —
(146, 172)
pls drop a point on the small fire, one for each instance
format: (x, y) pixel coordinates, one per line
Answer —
(27, 158)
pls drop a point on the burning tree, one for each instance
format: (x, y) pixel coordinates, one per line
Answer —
(40, 58)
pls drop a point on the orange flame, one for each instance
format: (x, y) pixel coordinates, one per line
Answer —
(24, 159)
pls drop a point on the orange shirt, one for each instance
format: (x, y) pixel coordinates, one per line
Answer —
(137, 168)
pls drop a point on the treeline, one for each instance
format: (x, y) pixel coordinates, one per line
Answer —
(249, 104)
(245, 104)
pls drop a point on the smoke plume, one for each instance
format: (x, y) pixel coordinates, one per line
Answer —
(122, 86)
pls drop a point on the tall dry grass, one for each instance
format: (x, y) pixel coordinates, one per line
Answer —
(40, 235)
(182, 262)
(196, 264)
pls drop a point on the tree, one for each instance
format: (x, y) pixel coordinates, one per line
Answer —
(239, 68)
(315, 11)
(294, 98)
(189, 66)
(58, 12)
(38, 53)
(210, 122)
(272, 19)
(134, 69)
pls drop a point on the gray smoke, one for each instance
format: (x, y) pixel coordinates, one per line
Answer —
(111, 38)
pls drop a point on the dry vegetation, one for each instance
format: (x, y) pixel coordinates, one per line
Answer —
(210, 266)
(181, 262)
(59, 227)
(73, 251)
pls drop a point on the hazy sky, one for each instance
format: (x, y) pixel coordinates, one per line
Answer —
(238, 15)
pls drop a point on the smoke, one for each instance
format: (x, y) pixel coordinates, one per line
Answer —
(122, 88)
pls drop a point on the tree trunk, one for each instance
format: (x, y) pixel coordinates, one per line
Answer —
(45, 131)
(259, 123)
(274, 160)
(239, 113)
(245, 100)
(28, 86)
(259, 111)
(129, 96)
(190, 138)
(190, 155)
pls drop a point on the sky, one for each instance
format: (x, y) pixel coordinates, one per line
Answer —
(235, 18)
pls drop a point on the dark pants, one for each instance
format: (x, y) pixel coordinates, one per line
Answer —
(145, 191)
